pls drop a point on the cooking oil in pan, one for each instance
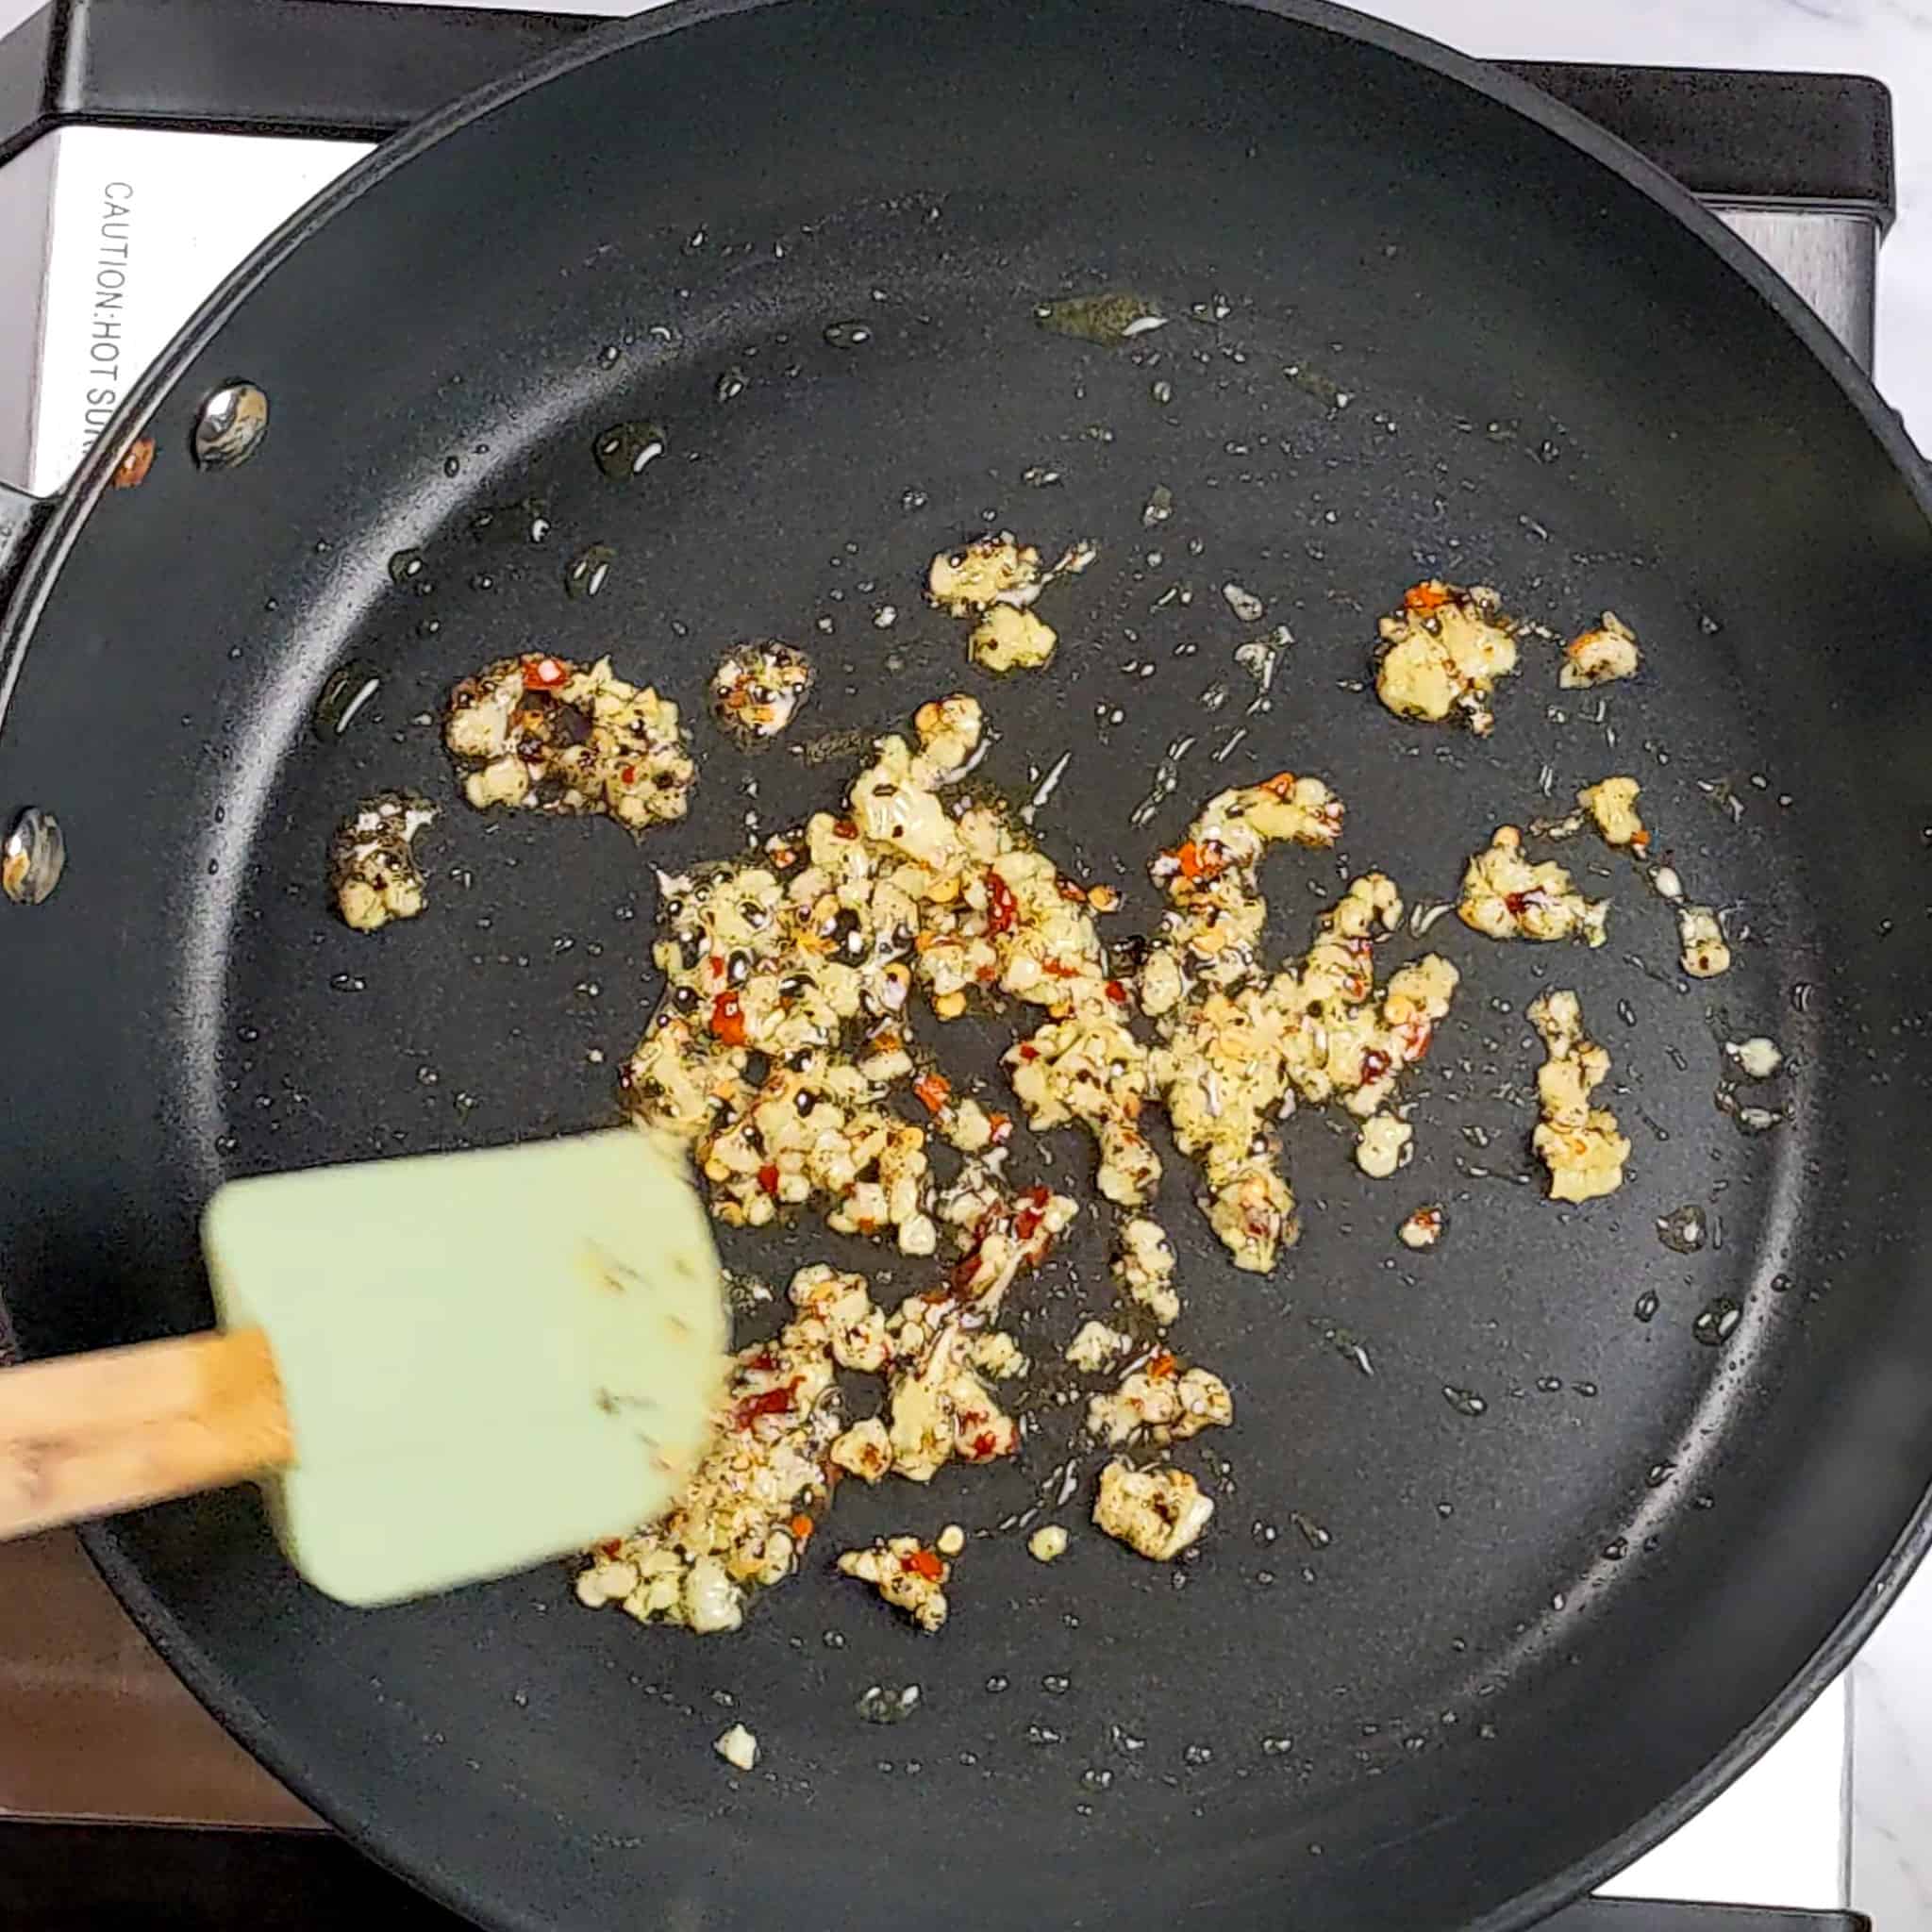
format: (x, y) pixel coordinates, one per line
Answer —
(587, 571)
(626, 450)
(346, 694)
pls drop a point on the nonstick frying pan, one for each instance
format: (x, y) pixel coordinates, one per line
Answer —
(1442, 1661)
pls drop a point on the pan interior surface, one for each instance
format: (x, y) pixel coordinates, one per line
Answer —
(1501, 1562)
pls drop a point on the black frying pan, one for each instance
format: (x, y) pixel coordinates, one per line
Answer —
(1537, 1636)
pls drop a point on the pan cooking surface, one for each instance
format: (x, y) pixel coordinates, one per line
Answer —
(1484, 1510)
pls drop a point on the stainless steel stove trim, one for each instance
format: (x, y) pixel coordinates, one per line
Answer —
(1826, 251)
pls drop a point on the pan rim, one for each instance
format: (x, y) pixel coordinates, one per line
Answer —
(73, 508)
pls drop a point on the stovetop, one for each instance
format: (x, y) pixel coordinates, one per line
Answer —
(121, 206)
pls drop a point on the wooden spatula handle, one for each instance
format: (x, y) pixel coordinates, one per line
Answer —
(87, 1435)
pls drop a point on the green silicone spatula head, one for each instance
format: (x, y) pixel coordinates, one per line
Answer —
(487, 1358)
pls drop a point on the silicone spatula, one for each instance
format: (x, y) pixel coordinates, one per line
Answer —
(441, 1369)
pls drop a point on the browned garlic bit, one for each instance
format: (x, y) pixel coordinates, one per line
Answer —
(371, 866)
(1611, 804)
(1156, 1513)
(865, 1450)
(743, 1522)
(1212, 879)
(999, 579)
(1161, 1402)
(1424, 1229)
(1601, 656)
(1381, 1145)
(909, 1574)
(1507, 897)
(1143, 1265)
(981, 574)
(1230, 1062)
(842, 1303)
(1702, 951)
(1442, 652)
(1581, 1145)
(758, 687)
(542, 732)
(940, 1409)
(1096, 1347)
(1006, 639)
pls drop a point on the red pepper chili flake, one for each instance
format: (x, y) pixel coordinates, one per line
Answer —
(801, 1529)
(629, 775)
(768, 1178)
(1375, 1064)
(1281, 785)
(1002, 908)
(1199, 862)
(1116, 993)
(544, 673)
(727, 1019)
(932, 1089)
(1520, 903)
(777, 1401)
(845, 829)
(964, 1269)
(1026, 1221)
(1002, 1125)
(1028, 1051)
(1423, 598)
(609, 1548)
(984, 1444)
(1069, 891)
(924, 1563)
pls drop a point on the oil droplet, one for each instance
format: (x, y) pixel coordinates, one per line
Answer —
(1683, 1230)
(1055, 1686)
(914, 498)
(1658, 1474)
(628, 449)
(1312, 1531)
(1096, 1778)
(585, 576)
(1717, 1322)
(1465, 1401)
(1198, 1753)
(406, 566)
(848, 335)
(729, 385)
(881, 1704)
(1646, 1304)
(1109, 318)
(996, 1684)
(348, 689)
(1616, 1549)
